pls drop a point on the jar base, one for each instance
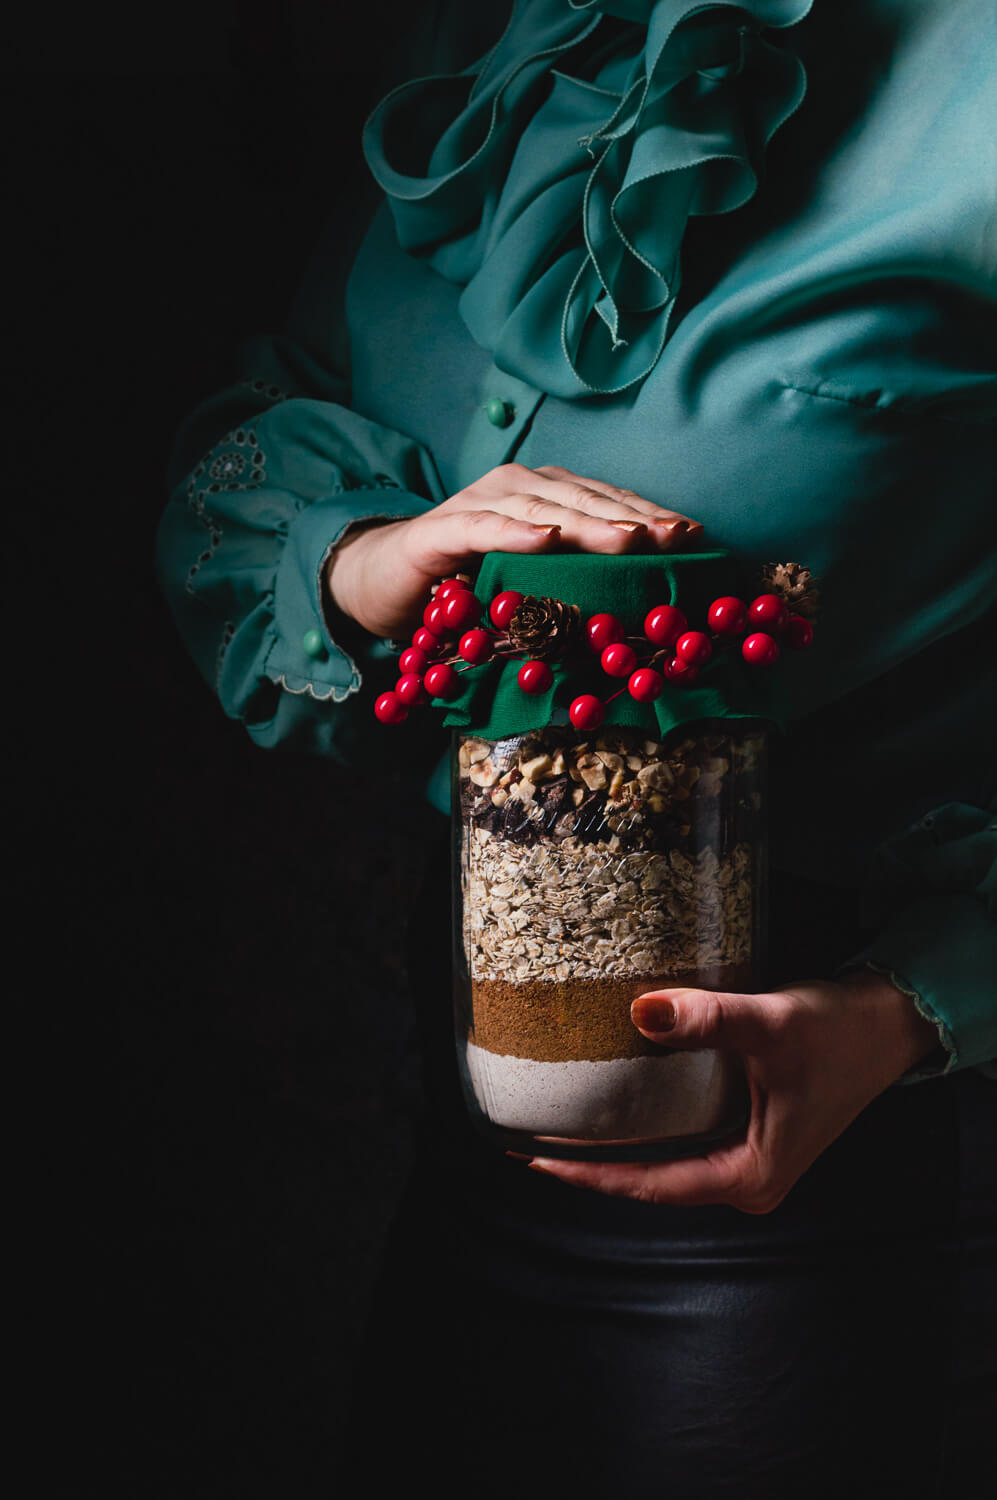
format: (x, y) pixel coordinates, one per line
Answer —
(520, 1143)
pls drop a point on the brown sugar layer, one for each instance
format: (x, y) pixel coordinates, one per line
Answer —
(581, 1020)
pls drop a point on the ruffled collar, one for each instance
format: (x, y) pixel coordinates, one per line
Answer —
(553, 180)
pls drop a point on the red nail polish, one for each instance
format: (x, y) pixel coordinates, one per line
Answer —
(650, 1013)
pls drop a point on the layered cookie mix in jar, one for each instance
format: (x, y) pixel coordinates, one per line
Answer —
(611, 717)
(591, 868)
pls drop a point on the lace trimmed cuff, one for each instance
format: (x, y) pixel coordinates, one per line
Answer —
(302, 656)
(942, 952)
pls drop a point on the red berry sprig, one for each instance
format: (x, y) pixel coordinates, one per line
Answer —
(664, 624)
(476, 646)
(682, 653)
(619, 659)
(646, 684)
(760, 650)
(603, 631)
(535, 677)
(432, 664)
(452, 640)
(587, 712)
(442, 681)
(503, 607)
(410, 689)
(798, 634)
(728, 616)
(677, 669)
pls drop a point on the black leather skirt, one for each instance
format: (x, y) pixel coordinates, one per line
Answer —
(530, 1339)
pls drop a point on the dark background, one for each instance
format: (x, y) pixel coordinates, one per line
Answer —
(213, 1116)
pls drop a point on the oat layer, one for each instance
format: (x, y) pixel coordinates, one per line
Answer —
(563, 911)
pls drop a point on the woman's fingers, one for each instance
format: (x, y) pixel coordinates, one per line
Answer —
(655, 515)
(722, 1177)
(519, 490)
(577, 493)
(694, 1019)
(444, 538)
(601, 527)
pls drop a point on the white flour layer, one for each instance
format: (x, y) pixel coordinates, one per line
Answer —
(681, 1093)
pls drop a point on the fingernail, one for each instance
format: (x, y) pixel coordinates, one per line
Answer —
(547, 530)
(651, 1013)
(518, 1156)
(628, 525)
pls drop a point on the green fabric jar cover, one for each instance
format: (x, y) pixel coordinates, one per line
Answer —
(494, 706)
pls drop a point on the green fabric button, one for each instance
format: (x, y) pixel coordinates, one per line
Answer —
(314, 645)
(498, 412)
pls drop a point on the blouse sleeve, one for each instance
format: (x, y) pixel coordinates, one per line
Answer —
(930, 897)
(267, 477)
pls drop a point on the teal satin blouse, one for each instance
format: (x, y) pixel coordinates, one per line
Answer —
(742, 260)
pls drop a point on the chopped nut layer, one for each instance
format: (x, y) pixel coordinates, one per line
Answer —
(617, 785)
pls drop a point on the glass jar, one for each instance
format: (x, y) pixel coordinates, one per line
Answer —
(589, 869)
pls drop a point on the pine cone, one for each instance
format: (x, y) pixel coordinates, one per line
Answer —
(795, 585)
(544, 627)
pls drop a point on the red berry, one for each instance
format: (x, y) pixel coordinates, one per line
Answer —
(682, 672)
(664, 624)
(694, 648)
(424, 640)
(503, 607)
(728, 616)
(798, 633)
(603, 631)
(586, 712)
(475, 646)
(534, 677)
(619, 659)
(442, 681)
(461, 610)
(410, 689)
(760, 650)
(390, 709)
(646, 684)
(413, 660)
(449, 586)
(433, 617)
(768, 612)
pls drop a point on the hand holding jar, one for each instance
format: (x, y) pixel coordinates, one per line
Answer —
(814, 1055)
